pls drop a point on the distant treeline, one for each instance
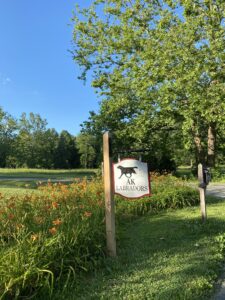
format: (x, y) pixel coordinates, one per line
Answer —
(27, 142)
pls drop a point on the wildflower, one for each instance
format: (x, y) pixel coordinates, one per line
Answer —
(87, 214)
(11, 216)
(34, 237)
(11, 205)
(47, 207)
(19, 226)
(55, 204)
(53, 230)
(57, 222)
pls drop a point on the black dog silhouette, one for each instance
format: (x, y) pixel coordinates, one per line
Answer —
(127, 171)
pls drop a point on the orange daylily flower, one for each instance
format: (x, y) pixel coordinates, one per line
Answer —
(55, 204)
(87, 214)
(34, 237)
(11, 205)
(53, 230)
(57, 222)
(11, 216)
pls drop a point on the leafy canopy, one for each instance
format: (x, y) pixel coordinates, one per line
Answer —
(156, 63)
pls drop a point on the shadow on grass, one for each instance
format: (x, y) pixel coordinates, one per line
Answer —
(164, 256)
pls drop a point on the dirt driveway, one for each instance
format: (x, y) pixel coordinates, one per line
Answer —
(216, 189)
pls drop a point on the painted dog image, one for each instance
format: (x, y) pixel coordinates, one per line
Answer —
(127, 171)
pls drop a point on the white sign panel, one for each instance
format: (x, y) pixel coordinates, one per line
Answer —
(131, 178)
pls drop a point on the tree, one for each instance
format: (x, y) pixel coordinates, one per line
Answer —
(87, 151)
(8, 128)
(159, 66)
(49, 141)
(66, 155)
(30, 141)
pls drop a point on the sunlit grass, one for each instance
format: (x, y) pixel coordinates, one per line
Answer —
(30, 178)
(170, 255)
(52, 236)
(46, 173)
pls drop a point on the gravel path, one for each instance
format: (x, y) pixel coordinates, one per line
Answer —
(217, 190)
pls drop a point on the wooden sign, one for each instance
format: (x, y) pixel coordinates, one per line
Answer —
(131, 178)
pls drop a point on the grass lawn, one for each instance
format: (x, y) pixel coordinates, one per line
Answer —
(170, 255)
(47, 174)
(185, 172)
(28, 178)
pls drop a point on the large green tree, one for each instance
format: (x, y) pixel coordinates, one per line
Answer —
(66, 155)
(8, 128)
(86, 144)
(159, 66)
(29, 141)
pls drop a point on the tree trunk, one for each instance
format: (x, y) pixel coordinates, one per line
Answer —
(200, 157)
(211, 145)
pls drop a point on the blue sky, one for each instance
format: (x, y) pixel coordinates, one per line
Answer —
(37, 73)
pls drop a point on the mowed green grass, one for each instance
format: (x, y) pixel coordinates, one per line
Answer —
(30, 178)
(170, 255)
(45, 173)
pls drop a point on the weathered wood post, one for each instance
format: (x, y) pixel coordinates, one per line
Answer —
(109, 195)
(202, 190)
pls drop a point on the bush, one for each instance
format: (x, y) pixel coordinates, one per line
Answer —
(217, 173)
(49, 236)
(167, 192)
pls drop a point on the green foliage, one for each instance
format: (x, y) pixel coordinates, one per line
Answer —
(7, 132)
(28, 143)
(218, 173)
(66, 154)
(159, 66)
(86, 145)
(167, 193)
(50, 237)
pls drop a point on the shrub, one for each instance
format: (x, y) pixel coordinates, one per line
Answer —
(217, 173)
(48, 236)
(167, 192)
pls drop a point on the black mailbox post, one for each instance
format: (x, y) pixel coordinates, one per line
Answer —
(203, 179)
(206, 175)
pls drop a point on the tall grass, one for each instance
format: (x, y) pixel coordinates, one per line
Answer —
(49, 236)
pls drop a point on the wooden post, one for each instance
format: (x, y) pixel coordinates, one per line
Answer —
(109, 199)
(202, 190)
